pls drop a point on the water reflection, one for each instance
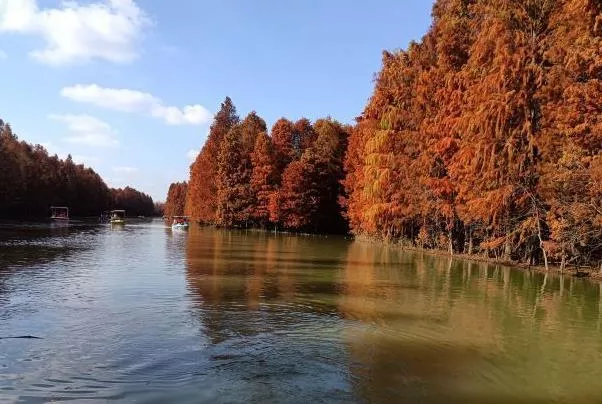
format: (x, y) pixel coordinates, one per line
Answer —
(223, 316)
(440, 329)
(254, 295)
(395, 324)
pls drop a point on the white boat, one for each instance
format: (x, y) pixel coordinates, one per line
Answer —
(180, 223)
(59, 213)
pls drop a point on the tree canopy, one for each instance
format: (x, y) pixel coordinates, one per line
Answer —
(484, 137)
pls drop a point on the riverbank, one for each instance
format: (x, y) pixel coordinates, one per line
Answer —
(580, 272)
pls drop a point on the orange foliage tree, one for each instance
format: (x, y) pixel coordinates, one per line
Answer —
(484, 137)
(201, 199)
(472, 135)
(311, 186)
(176, 200)
(263, 179)
(31, 181)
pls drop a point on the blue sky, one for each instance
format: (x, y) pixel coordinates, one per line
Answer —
(129, 87)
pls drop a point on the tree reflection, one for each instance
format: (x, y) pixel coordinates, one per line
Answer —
(439, 329)
(393, 323)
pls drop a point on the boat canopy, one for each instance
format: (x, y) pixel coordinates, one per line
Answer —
(180, 219)
(59, 211)
(118, 212)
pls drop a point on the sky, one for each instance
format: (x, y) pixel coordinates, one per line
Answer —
(130, 87)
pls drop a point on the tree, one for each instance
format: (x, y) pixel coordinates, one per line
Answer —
(304, 136)
(134, 202)
(283, 133)
(176, 199)
(201, 200)
(233, 178)
(263, 179)
(31, 181)
(311, 186)
(251, 127)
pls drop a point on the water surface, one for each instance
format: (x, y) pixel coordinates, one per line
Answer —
(141, 313)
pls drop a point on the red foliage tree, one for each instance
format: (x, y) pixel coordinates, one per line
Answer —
(176, 200)
(473, 133)
(31, 181)
(263, 179)
(134, 202)
(283, 133)
(201, 199)
(311, 186)
(233, 178)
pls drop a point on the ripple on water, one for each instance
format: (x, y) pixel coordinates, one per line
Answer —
(143, 315)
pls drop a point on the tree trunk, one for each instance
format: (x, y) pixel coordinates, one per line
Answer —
(508, 249)
(541, 245)
(451, 242)
(563, 261)
(469, 241)
(545, 258)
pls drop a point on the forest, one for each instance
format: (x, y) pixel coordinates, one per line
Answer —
(290, 179)
(31, 181)
(482, 138)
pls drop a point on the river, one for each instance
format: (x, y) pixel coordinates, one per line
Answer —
(142, 313)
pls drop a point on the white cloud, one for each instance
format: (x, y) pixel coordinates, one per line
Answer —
(125, 170)
(86, 160)
(88, 130)
(107, 30)
(3, 55)
(125, 100)
(53, 149)
(192, 154)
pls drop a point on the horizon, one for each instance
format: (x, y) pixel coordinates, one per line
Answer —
(133, 98)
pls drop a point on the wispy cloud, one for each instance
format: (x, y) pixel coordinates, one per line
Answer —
(192, 154)
(86, 160)
(53, 149)
(125, 170)
(107, 30)
(87, 130)
(126, 100)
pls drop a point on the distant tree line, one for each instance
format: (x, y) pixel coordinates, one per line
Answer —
(289, 179)
(134, 202)
(482, 138)
(31, 181)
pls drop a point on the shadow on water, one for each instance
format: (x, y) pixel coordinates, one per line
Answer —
(29, 244)
(408, 325)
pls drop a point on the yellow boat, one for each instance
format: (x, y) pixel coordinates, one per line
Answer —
(117, 217)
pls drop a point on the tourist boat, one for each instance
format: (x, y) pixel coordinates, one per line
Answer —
(117, 217)
(180, 222)
(59, 213)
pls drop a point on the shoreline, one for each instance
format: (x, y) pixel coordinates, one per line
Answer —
(591, 273)
(587, 272)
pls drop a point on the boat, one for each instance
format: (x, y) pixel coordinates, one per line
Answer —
(59, 213)
(180, 222)
(117, 216)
